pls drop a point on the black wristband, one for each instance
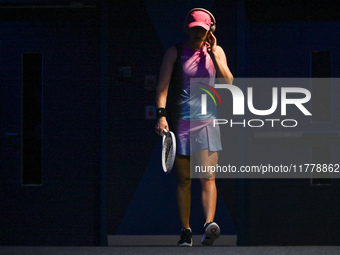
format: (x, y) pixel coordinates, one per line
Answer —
(161, 112)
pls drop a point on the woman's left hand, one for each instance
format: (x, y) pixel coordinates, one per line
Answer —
(211, 43)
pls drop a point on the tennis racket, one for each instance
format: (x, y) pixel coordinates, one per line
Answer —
(168, 150)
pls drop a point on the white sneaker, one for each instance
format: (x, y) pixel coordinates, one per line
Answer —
(211, 231)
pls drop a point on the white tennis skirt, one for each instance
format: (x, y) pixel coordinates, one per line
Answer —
(193, 136)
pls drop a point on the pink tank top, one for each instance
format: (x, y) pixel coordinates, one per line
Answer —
(195, 64)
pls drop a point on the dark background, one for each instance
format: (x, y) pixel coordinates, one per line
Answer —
(98, 150)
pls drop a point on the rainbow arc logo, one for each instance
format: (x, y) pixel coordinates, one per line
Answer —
(209, 93)
(204, 97)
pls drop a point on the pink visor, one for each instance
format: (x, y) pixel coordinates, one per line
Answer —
(199, 18)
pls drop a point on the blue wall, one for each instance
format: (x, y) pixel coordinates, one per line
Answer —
(284, 49)
(68, 208)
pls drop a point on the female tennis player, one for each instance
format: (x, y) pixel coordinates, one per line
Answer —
(197, 57)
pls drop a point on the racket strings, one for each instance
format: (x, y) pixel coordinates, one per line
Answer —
(168, 151)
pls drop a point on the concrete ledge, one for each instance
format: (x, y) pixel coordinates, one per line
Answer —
(164, 240)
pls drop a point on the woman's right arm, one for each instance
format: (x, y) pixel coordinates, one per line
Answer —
(165, 73)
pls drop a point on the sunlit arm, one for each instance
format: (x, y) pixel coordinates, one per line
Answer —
(220, 61)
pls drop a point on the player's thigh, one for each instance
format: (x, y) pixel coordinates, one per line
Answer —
(208, 160)
(183, 168)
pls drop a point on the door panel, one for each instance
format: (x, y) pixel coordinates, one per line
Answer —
(62, 210)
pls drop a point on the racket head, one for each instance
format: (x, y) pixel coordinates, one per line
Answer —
(168, 150)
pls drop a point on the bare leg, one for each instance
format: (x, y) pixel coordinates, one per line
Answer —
(183, 189)
(209, 191)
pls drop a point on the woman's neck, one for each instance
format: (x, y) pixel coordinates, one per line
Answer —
(195, 46)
